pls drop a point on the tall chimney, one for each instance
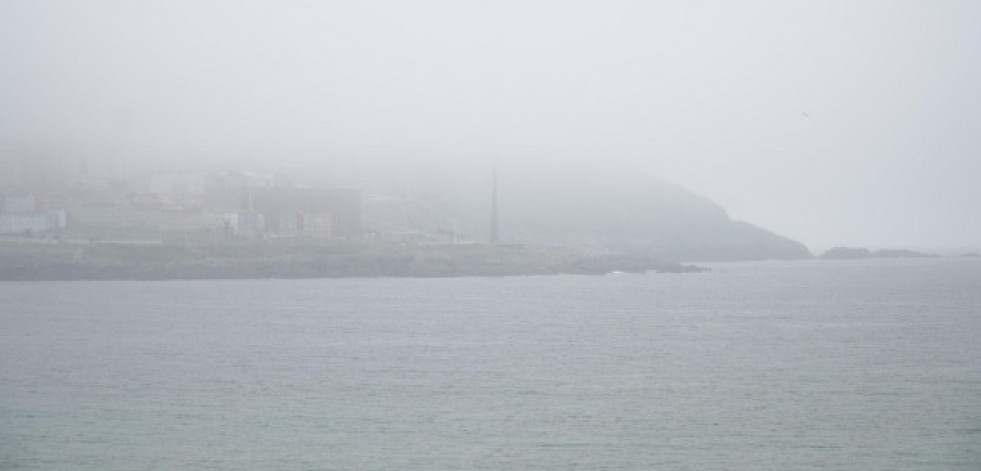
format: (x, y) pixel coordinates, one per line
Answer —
(494, 234)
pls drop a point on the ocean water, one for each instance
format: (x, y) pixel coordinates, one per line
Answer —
(863, 365)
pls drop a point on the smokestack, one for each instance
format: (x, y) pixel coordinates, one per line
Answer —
(493, 234)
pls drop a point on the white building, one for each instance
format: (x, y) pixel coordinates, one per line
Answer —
(19, 223)
(18, 215)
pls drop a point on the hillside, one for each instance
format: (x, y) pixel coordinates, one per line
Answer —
(611, 206)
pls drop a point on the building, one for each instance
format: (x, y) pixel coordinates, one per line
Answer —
(20, 223)
(338, 208)
(182, 220)
(244, 223)
(317, 225)
(19, 215)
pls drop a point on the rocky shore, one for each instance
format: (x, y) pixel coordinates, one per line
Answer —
(257, 260)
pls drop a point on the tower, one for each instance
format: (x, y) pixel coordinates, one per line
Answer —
(494, 233)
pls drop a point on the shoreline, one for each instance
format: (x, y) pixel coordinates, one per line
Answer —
(265, 261)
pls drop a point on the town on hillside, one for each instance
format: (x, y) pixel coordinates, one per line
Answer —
(161, 208)
(83, 201)
(44, 206)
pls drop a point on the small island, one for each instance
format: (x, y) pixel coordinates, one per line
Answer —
(856, 253)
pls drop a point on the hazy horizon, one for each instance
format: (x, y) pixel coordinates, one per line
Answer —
(832, 123)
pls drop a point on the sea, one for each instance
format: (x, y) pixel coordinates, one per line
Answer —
(841, 365)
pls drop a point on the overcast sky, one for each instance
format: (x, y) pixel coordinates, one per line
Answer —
(833, 123)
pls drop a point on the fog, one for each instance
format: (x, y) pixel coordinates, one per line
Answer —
(833, 123)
